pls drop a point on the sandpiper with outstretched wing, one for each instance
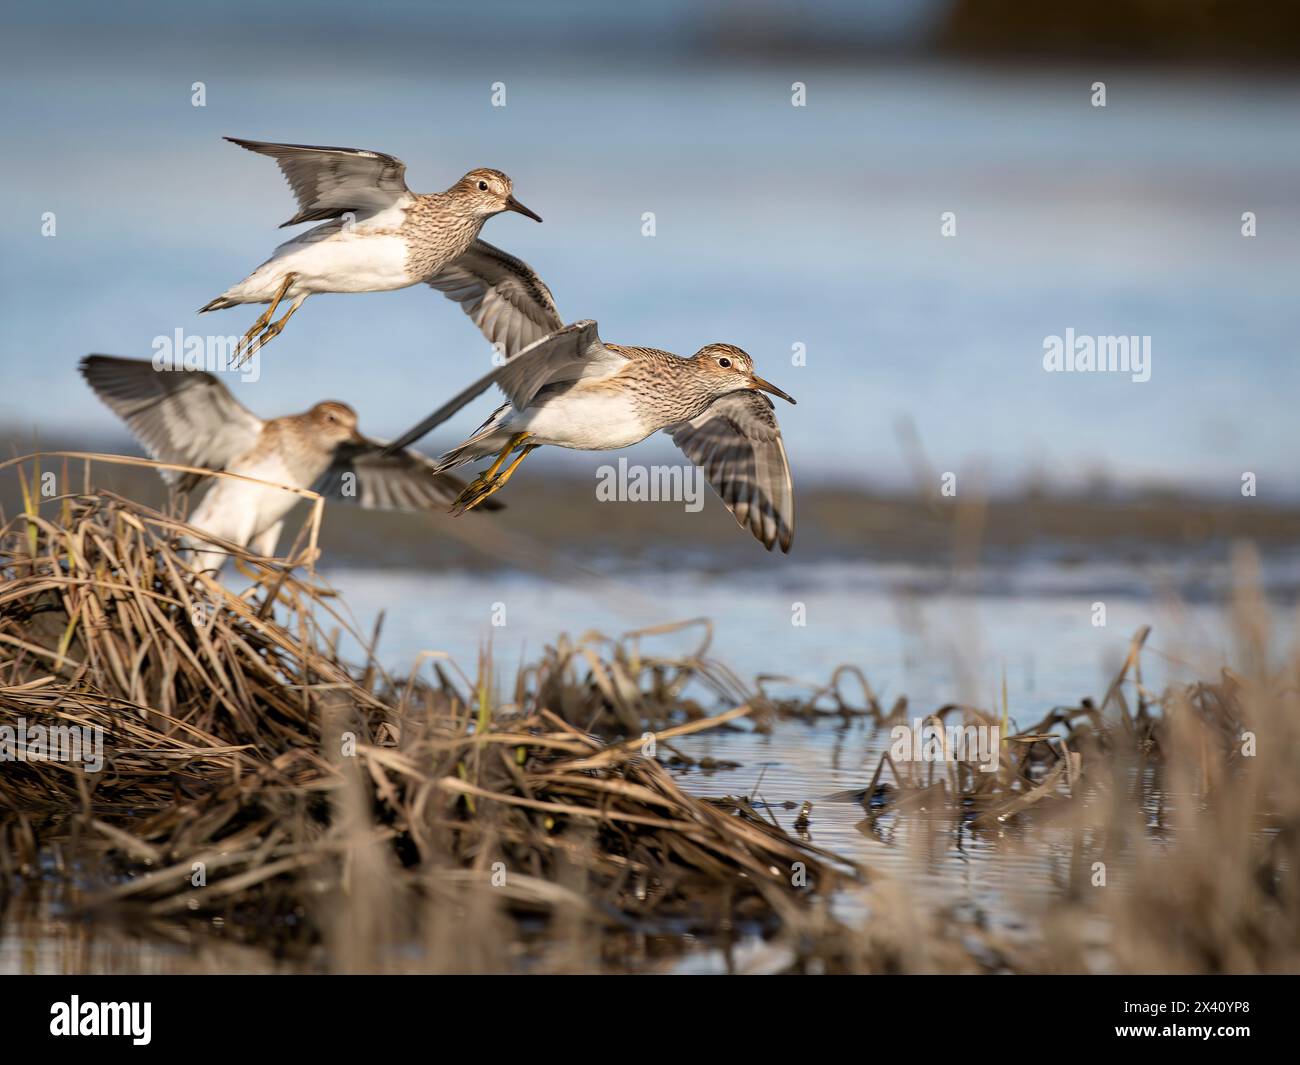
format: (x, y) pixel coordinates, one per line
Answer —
(573, 390)
(189, 418)
(620, 394)
(376, 234)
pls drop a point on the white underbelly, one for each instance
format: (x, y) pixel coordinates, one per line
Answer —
(595, 420)
(346, 262)
(239, 510)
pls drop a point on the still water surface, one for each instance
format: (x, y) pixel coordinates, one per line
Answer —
(911, 632)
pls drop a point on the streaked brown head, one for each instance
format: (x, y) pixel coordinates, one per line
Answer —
(488, 192)
(332, 423)
(730, 369)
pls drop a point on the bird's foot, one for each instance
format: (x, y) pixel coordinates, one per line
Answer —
(475, 492)
(263, 330)
(493, 478)
(246, 349)
(249, 343)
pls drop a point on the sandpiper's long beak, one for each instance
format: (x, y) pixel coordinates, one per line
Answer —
(767, 386)
(514, 205)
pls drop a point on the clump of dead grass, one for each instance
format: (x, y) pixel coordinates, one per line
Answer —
(347, 819)
(332, 811)
(1173, 817)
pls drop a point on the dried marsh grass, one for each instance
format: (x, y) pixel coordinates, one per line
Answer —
(1172, 818)
(339, 818)
(336, 813)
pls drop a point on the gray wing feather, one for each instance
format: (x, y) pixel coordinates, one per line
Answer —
(328, 182)
(364, 473)
(502, 295)
(737, 443)
(569, 354)
(182, 416)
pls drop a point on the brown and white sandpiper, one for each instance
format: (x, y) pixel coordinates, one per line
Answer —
(377, 234)
(190, 418)
(573, 390)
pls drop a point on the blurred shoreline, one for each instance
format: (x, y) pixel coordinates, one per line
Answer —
(554, 517)
(1250, 35)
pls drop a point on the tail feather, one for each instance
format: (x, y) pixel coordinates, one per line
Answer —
(476, 447)
(488, 439)
(218, 304)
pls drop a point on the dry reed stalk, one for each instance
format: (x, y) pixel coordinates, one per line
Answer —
(252, 774)
(343, 815)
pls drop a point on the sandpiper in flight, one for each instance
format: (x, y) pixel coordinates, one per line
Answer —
(736, 439)
(188, 417)
(573, 390)
(379, 235)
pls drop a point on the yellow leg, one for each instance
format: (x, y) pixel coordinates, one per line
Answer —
(265, 316)
(500, 482)
(244, 568)
(487, 482)
(515, 441)
(276, 328)
(505, 474)
(245, 345)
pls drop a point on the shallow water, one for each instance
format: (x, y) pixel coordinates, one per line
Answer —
(912, 631)
(1025, 627)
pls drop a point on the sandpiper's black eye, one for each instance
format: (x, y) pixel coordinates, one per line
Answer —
(482, 186)
(724, 363)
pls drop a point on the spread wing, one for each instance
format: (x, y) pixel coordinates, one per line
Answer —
(328, 182)
(569, 354)
(738, 445)
(182, 416)
(502, 295)
(404, 480)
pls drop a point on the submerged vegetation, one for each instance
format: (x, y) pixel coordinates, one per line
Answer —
(259, 789)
